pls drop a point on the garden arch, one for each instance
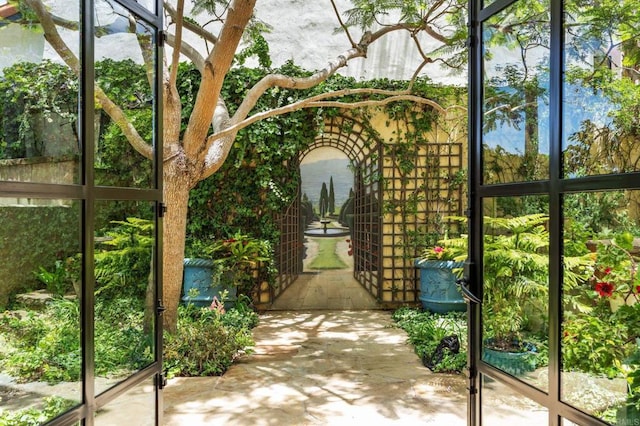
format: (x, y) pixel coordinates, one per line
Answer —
(395, 207)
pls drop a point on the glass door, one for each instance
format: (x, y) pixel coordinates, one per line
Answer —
(554, 219)
(80, 212)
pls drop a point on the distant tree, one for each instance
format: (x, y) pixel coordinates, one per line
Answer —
(332, 197)
(324, 200)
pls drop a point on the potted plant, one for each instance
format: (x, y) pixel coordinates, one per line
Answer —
(229, 265)
(438, 267)
(515, 285)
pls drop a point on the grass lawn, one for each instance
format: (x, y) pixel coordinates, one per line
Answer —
(327, 258)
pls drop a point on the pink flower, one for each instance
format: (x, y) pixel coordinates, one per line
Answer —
(438, 250)
(217, 306)
(604, 289)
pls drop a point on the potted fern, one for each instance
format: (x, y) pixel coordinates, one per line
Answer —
(515, 282)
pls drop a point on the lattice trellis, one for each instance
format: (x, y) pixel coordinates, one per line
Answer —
(416, 199)
(402, 194)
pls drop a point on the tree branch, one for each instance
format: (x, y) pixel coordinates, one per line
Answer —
(319, 102)
(175, 57)
(216, 68)
(194, 28)
(189, 51)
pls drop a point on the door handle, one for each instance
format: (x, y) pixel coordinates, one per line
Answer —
(468, 296)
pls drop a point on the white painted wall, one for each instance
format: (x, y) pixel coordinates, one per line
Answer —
(302, 30)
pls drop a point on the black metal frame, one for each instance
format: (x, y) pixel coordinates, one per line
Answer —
(555, 187)
(88, 194)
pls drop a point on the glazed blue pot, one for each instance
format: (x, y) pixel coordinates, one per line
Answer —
(514, 363)
(198, 275)
(439, 292)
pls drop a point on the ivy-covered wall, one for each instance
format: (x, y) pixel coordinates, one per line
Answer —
(31, 237)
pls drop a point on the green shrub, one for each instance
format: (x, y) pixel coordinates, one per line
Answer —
(53, 407)
(426, 330)
(206, 342)
(43, 346)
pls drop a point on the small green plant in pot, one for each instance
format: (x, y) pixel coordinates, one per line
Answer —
(241, 259)
(515, 283)
(234, 264)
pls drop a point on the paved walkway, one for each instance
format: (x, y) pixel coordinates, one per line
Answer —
(327, 290)
(321, 368)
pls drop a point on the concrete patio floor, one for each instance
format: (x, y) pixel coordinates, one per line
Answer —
(321, 368)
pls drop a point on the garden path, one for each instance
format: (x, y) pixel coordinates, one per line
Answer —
(333, 368)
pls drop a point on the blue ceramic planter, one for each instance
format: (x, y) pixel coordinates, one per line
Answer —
(438, 289)
(198, 275)
(514, 363)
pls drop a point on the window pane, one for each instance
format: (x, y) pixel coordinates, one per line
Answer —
(502, 406)
(38, 98)
(515, 99)
(601, 313)
(40, 285)
(125, 294)
(124, 72)
(516, 287)
(138, 404)
(601, 92)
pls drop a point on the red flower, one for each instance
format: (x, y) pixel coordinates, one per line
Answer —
(607, 271)
(638, 289)
(604, 289)
(230, 240)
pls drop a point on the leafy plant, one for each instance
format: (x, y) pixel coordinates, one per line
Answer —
(64, 277)
(123, 260)
(515, 276)
(35, 416)
(427, 330)
(239, 258)
(207, 341)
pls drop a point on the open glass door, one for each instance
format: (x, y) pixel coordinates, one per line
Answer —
(554, 219)
(80, 212)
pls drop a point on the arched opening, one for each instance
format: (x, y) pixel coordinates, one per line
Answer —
(332, 215)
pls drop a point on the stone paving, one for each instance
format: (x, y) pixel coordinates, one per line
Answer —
(321, 368)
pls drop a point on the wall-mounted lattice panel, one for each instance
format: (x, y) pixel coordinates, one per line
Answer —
(418, 194)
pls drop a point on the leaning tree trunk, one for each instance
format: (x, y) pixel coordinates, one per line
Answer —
(176, 197)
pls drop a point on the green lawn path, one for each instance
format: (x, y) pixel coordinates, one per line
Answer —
(327, 257)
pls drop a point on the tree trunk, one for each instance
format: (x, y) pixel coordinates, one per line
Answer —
(176, 196)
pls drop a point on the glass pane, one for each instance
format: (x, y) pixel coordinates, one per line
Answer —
(601, 90)
(139, 403)
(601, 313)
(515, 99)
(124, 72)
(40, 285)
(516, 287)
(502, 406)
(566, 422)
(124, 289)
(38, 97)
